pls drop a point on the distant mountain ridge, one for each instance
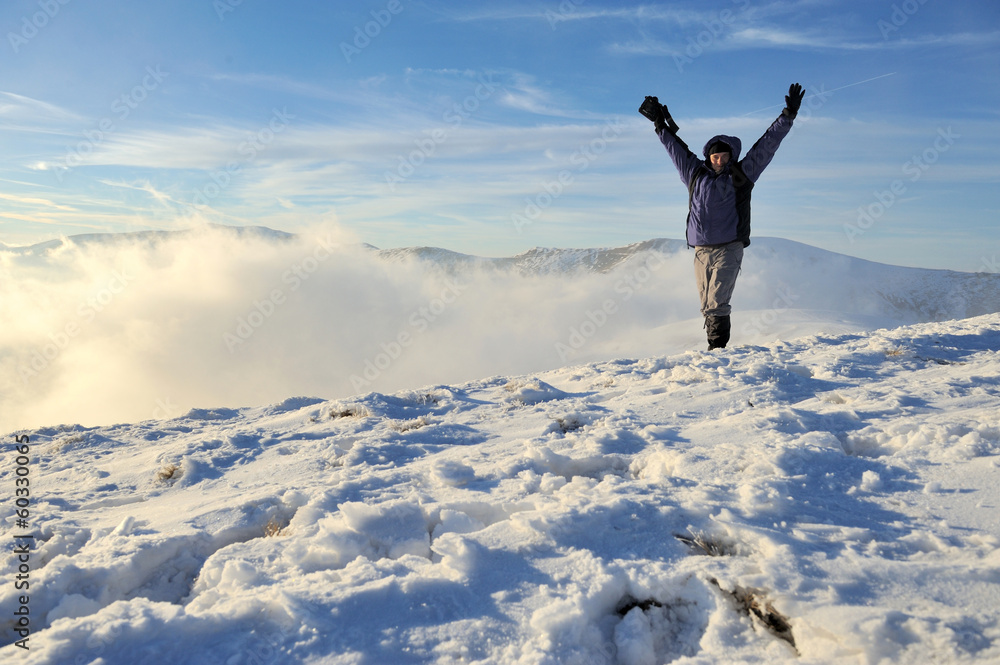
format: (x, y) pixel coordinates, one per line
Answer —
(539, 260)
(813, 278)
(147, 236)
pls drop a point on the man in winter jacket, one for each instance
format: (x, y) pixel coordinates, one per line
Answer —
(718, 224)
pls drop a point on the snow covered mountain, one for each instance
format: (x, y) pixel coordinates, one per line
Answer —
(829, 499)
(537, 261)
(149, 239)
(830, 281)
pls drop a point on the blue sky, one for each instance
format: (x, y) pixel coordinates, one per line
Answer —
(491, 128)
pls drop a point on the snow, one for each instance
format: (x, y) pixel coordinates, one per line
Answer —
(830, 498)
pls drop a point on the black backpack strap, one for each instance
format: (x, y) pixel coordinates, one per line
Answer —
(694, 180)
(743, 186)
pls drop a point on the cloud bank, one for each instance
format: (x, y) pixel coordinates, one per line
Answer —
(132, 327)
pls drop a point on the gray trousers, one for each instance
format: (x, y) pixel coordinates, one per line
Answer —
(715, 269)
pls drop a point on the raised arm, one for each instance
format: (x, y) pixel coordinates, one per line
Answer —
(761, 153)
(685, 160)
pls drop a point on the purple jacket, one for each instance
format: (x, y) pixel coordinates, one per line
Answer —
(720, 203)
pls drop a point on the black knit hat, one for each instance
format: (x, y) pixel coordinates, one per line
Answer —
(719, 146)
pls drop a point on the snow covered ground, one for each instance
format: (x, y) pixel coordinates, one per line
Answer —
(828, 499)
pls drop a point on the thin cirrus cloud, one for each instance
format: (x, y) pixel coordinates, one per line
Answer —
(476, 164)
(324, 164)
(33, 201)
(758, 38)
(774, 37)
(32, 112)
(577, 11)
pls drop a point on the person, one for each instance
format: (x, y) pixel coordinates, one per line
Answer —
(719, 187)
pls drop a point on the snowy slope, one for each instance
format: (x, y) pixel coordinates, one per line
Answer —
(828, 499)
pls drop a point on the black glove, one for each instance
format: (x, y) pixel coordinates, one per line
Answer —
(793, 100)
(659, 114)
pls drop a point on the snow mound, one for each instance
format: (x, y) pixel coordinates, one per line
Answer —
(830, 499)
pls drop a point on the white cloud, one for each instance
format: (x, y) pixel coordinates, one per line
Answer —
(646, 46)
(21, 109)
(580, 11)
(34, 202)
(774, 37)
(207, 319)
(113, 330)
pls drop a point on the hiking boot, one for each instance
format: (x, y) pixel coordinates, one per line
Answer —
(718, 328)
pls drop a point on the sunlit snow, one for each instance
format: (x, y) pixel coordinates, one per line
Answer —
(825, 490)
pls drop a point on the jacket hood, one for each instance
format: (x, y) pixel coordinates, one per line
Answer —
(731, 141)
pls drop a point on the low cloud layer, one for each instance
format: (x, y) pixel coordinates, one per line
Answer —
(130, 330)
(133, 329)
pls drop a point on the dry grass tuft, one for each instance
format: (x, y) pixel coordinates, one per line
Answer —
(273, 529)
(409, 425)
(708, 545)
(424, 399)
(352, 411)
(753, 603)
(168, 472)
(570, 423)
